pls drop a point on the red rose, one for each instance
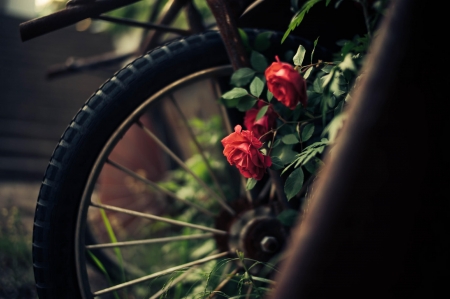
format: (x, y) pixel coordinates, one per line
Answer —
(286, 84)
(242, 149)
(262, 125)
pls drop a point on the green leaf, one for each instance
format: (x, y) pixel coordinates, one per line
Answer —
(325, 80)
(261, 112)
(262, 41)
(288, 217)
(307, 73)
(307, 154)
(298, 17)
(235, 93)
(339, 108)
(348, 63)
(307, 132)
(331, 102)
(290, 139)
(246, 103)
(261, 77)
(338, 93)
(102, 268)
(244, 38)
(242, 76)
(317, 86)
(334, 126)
(313, 98)
(256, 87)
(276, 143)
(313, 165)
(251, 182)
(294, 183)
(314, 48)
(298, 111)
(327, 68)
(276, 163)
(284, 152)
(299, 56)
(230, 103)
(258, 61)
(269, 96)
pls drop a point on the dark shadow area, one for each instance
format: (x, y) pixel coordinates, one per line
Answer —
(34, 110)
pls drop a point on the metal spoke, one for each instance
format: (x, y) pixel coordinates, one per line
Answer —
(197, 144)
(158, 218)
(184, 166)
(150, 241)
(160, 273)
(223, 283)
(158, 187)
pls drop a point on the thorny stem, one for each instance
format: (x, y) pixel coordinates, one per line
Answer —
(317, 64)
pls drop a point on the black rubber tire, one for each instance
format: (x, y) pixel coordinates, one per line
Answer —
(72, 160)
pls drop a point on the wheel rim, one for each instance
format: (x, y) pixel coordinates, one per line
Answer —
(223, 229)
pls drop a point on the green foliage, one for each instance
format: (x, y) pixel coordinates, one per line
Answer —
(269, 96)
(314, 48)
(294, 183)
(276, 163)
(251, 183)
(313, 165)
(262, 41)
(258, 61)
(307, 132)
(299, 16)
(235, 93)
(242, 76)
(256, 87)
(262, 111)
(290, 139)
(308, 153)
(245, 103)
(299, 56)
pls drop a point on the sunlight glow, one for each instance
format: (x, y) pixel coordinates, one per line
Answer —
(41, 2)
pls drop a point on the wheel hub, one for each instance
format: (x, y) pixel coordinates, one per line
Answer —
(254, 231)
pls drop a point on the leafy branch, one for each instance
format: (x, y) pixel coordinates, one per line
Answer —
(300, 15)
(307, 154)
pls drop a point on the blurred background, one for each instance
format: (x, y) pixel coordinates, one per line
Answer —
(35, 110)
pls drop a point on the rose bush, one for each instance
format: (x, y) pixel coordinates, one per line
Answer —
(286, 84)
(295, 109)
(242, 150)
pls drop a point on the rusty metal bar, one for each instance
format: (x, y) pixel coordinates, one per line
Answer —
(129, 22)
(74, 65)
(68, 16)
(153, 38)
(194, 18)
(377, 226)
(226, 22)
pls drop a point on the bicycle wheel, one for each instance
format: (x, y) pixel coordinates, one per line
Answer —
(139, 179)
